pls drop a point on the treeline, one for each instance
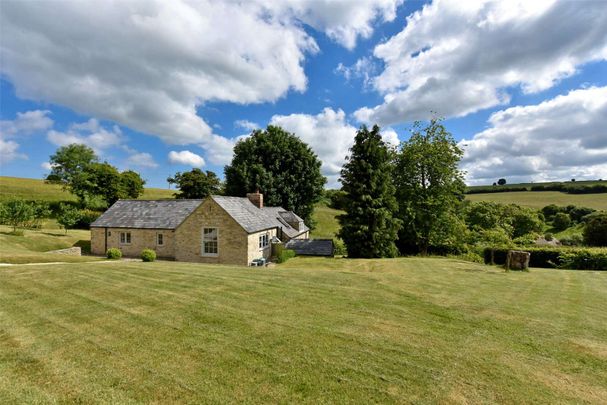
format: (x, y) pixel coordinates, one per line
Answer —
(562, 187)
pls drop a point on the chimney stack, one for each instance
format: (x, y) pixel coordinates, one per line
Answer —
(256, 198)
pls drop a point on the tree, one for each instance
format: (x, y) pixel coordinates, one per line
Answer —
(429, 186)
(368, 228)
(281, 166)
(70, 161)
(561, 221)
(68, 216)
(595, 231)
(132, 184)
(501, 182)
(196, 184)
(16, 213)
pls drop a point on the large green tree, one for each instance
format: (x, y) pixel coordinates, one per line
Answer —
(196, 184)
(369, 228)
(281, 166)
(70, 161)
(429, 187)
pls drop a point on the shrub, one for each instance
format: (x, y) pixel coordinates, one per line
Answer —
(561, 221)
(470, 257)
(339, 248)
(526, 240)
(595, 231)
(551, 210)
(114, 253)
(285, 255)
(583, 259)
(554, 257)
(68, 216)
(578, 213)
(548, 236)
(87, 217)
(573, 240)
(16, 213)
(148, 255)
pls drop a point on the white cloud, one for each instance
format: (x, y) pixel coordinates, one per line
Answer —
(88, 133)
(142, 159)
(561, 138)
(8, 151)
(456, 57)
(329, 135)
(25, 123)
(186, 158)
(363, 69)
(246, 125)
(48, 166)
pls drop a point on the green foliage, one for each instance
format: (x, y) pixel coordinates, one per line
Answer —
(561, 221)
(548, 236)
(470, 257)
(501, 182)
(148, 255)
(595, 231)
(339, 247)
(368, 227)
(429, 187)
(524, 221)
(555, 257)
(526, 240)
(516, 221)
(578, 213)
(68, 216)
(41, 211)
(87, 217)
(196, 184)
(16, 213)
(132, 184)
(336, 199)
(113, 253)
(285, 255)
(573, 240)
(279, 165)
(68, 162)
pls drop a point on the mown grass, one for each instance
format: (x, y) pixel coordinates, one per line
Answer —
(311, 330)
(539, 199)
(326, 222)
(30, 247)
(36, 189)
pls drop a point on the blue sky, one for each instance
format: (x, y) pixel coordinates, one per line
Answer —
(163, 87)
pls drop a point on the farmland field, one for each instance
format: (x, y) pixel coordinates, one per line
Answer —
(539, 199)
(310, 330)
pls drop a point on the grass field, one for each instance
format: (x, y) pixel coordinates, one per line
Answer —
(548, 183)
(36, 189)
(311, 330)
(539, 199)
(326, 222)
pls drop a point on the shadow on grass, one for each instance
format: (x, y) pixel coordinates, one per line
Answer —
(84, 245)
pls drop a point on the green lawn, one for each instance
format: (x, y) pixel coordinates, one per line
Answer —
(36, 189)
(311, 330)
(539, 199)
(326, 222)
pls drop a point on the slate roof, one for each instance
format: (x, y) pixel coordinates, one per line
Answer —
(147, 214)
(280, 217)
(311, 247)
(253, 219)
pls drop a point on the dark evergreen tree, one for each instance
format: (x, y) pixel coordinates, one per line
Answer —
(369, 228)
(196, 184)
(279, 165)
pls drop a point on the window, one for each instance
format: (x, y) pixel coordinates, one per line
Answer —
(209, 242)
(125, 238)
(264, 241)
(159, 239)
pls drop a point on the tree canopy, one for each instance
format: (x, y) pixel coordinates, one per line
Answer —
(368, 228)
(429, 187)
(196, 184)
(70, 161)
(279, 165)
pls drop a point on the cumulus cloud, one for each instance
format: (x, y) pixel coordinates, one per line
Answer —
(246, 125)
(329, 135)
(364, 69)
(142, 159)
(186, 158)
(456, 57)
(89, 133)
(561, 138)
(25, 123)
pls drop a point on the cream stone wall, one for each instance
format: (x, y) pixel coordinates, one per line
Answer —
(254, 252)
(232, 238)
(140, 239)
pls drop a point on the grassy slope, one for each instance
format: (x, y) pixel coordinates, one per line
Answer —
(311, 330)
(548, 183)
(326, 222)
(36, 189)
(539, 199)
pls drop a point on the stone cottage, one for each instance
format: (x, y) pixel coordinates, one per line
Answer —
(218, 229)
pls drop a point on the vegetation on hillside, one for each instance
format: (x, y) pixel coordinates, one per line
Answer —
(195, 184)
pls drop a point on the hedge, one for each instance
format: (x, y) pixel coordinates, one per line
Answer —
(494, 189)
(550, 257)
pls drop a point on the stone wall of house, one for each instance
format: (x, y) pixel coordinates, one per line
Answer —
(254, 252)
(232, 238)
(140, 239)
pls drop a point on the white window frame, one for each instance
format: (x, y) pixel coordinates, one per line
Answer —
(264, 241)
(125, 238)
(208, 240)
(159, 239)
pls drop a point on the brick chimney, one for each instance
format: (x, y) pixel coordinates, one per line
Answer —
(256, 198)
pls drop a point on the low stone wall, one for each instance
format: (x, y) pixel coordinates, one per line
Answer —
(73, 251)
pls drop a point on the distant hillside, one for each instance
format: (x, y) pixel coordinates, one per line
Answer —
(573, 187)
(536, 199)
(36, 189)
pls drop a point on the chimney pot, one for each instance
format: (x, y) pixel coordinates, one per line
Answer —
(256, 198)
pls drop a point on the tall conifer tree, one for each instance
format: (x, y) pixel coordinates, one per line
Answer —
(368, 228)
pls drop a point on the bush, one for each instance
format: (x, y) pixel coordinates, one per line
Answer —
(114, 253)
(554, 257)
(551, 210)
(469, 257)
(68, 216)
(573, 240)
(548, 236)
(339, 248)
(561, 221)
(578, 213)
(87, 217)
(148, 255)
(285, 255)
(595, 231)
(16, 213)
